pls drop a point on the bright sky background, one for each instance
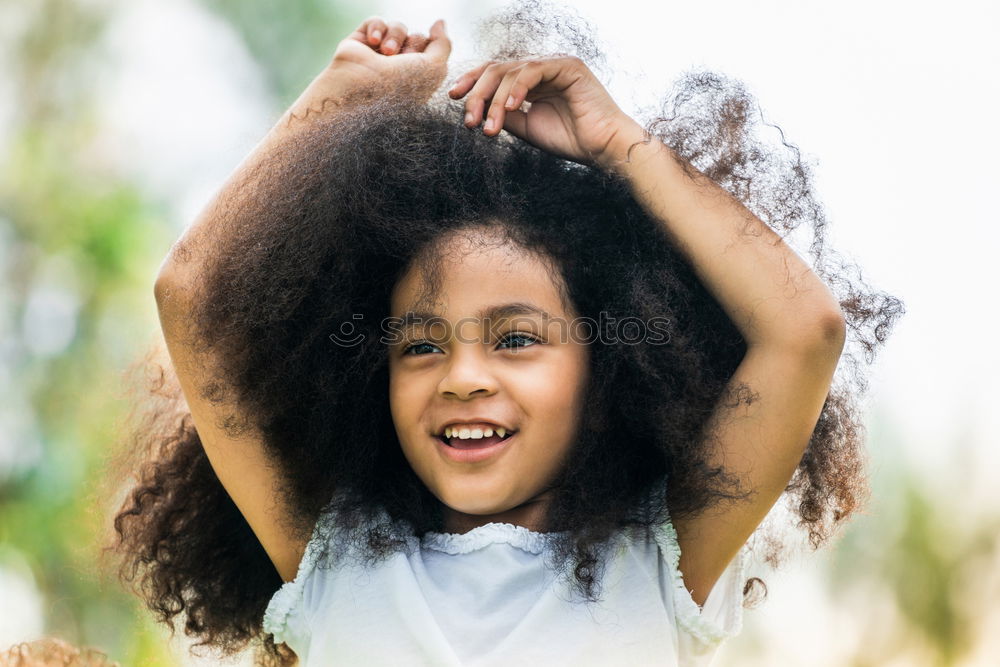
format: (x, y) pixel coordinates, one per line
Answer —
(890, 102)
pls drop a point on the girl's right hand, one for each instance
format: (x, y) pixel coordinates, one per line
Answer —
(377, 58)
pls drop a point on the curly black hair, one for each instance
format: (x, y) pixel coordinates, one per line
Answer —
(352, 202)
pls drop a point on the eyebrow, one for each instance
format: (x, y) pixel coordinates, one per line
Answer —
(495, 312)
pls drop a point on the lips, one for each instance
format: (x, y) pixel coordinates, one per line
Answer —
(475, 450)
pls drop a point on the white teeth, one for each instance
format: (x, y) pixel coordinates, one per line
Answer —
(474, 433)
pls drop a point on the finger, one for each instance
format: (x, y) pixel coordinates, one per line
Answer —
(483, 90)
(394, 38)
(364, 31)
(514, 91)
(439, 46)
(502, 102)
(375, 31)
(415, 43)
(526, 79)
(465, 82)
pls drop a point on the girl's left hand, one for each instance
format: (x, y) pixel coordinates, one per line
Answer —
(571, 114)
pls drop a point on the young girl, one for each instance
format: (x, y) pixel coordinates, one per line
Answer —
(493, 378)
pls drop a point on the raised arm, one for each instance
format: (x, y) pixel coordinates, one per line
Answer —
(793, 328)
(792, 323)
(378, 54)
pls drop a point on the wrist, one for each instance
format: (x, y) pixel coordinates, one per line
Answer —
(627, 139)
(332, 89)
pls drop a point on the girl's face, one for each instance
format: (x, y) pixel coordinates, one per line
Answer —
(520, 370)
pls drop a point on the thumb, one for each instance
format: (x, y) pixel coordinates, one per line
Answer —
(440, 45)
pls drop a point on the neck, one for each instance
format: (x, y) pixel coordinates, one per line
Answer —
(530, 515)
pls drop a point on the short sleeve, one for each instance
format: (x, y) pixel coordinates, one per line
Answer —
(285, 616)
(702, 629)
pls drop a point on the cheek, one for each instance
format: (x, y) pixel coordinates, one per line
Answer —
(569, 373)
(408, 401)
(554, 389)
(401, 399)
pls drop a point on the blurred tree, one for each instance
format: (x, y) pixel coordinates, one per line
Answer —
(928, 550)
(75, 264)
(79, 247)
(290, 41)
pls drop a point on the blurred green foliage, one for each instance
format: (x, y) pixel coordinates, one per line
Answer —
(291, 41)
(930, 552)
(76, 233)
(73, 235)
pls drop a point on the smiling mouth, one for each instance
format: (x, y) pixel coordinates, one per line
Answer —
(474, 443)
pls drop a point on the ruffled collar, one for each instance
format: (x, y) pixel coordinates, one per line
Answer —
(485, 535)
(501, 533)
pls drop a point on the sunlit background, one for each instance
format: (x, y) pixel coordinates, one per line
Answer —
(118, 120)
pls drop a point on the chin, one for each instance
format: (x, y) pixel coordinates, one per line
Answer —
(475, 506)
(474, 501)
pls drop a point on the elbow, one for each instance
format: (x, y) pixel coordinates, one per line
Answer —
(833, 328)
(174, 272)
(168, 287)
(827, 336)
(162, 287)
(821, 336)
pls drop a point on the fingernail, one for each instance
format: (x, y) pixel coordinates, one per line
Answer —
(510, 101)
(468, 118)
(377, 34)
(390, 45)
(489, 125)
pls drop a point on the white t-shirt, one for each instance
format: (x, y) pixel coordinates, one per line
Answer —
(488, 598)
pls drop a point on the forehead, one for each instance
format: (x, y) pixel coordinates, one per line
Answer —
(472, 269)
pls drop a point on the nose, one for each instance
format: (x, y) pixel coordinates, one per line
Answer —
(468, 373)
